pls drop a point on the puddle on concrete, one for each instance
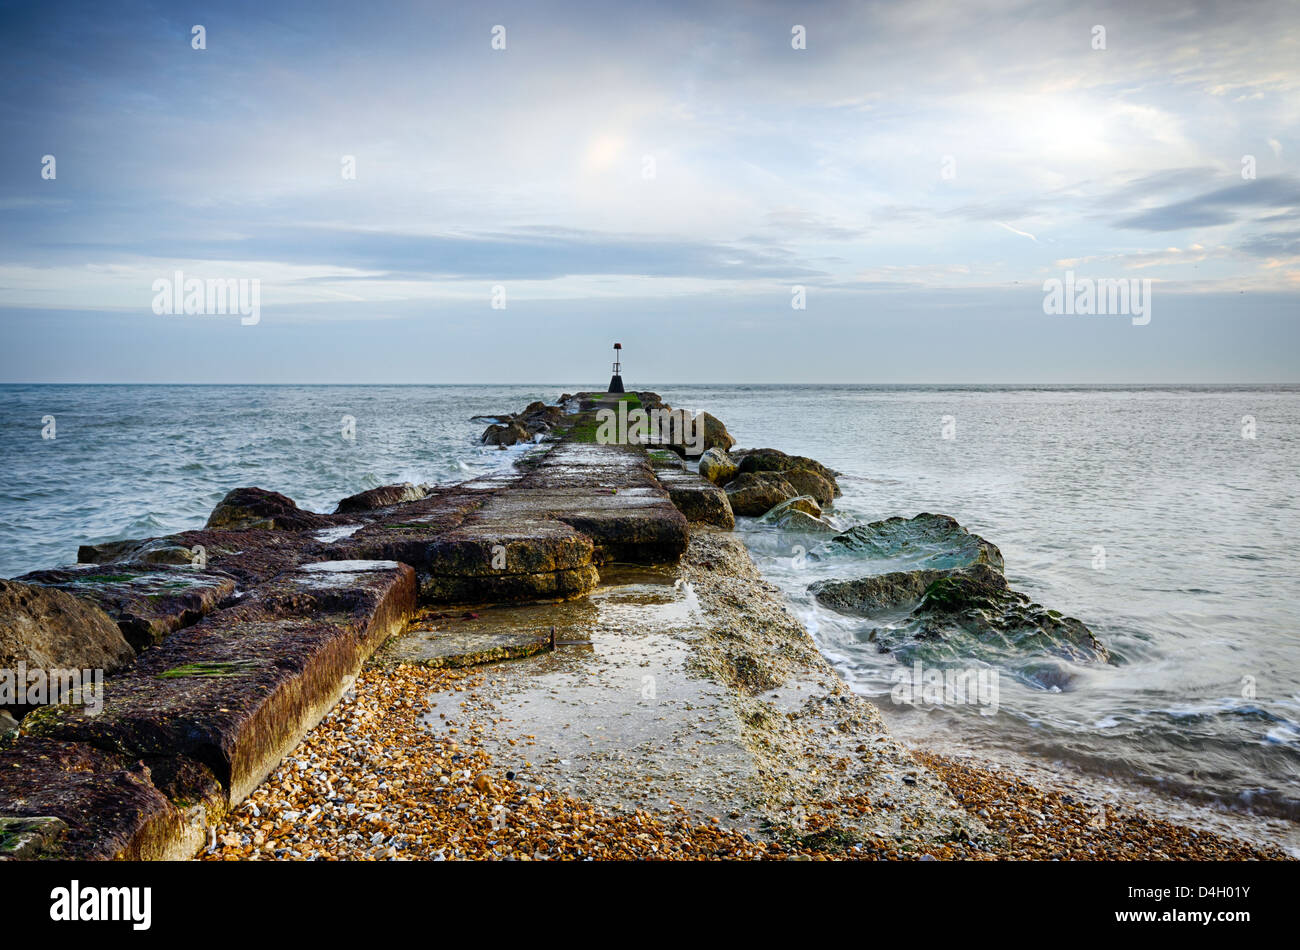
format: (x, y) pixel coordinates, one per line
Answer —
(324, 575)
(349, 567)
(627, 598)
(612, 714)
(337, 533)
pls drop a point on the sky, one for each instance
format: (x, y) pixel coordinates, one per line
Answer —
(737, 192)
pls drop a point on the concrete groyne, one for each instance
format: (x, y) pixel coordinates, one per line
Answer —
(250, 629)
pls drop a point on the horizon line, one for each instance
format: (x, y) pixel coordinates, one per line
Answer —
(1125, 383)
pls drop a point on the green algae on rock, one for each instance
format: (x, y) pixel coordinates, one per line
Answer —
(245, 508)
(718, 467)
(147, 605)
(927, 541)
(953, 604)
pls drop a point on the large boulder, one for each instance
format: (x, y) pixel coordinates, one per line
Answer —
(539, 417)
(717, 466)
(774, 460)
(649, 401)
(511, 433)
(716, 435)
(808, 482)
(968, 612)
(536, 418)
(801, 514)
(951, 603)
(381, 497)
(757, 493)
(248, 508)
(976, 602)
(879, 593)
(928, 541)
(804, 503)
(148, 551)
(49, 629)
(801, 522)
(671, 427)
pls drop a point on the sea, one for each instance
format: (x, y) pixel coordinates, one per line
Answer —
(1166, 518)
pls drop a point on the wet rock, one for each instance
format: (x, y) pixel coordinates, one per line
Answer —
(718, 467)
(248, 508)
(147, 604)
(650, 401)
(249, 556)
(482, 548)
(716, 435)
(952, 603)
(805, 503)
(774, 460)
(511, 433)
(635, 535)
(487, 560)
(69, 800)
(49, 629)
(24, 839)
(756, 493)
(439, 640)
(537, 418)
(237, 691)
(808, 476)
(927, 541)
(382, 497)
(800, 514)
(964, 613)
(149, 551)
(701, 501)
(867, 596)
(803, 523)
(561, 584)
(978, 602)
(663, 460)
(8, 724)
(808, 482)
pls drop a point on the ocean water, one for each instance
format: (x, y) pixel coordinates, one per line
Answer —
(1146, 512)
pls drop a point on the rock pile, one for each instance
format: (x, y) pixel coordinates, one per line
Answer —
(536, 419)
(758, 480)
(949, 599)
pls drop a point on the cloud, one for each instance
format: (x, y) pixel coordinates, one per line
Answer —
(531, 253)
(794, 221)
(772, 165)
(1222, 206)
(1275, 244)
